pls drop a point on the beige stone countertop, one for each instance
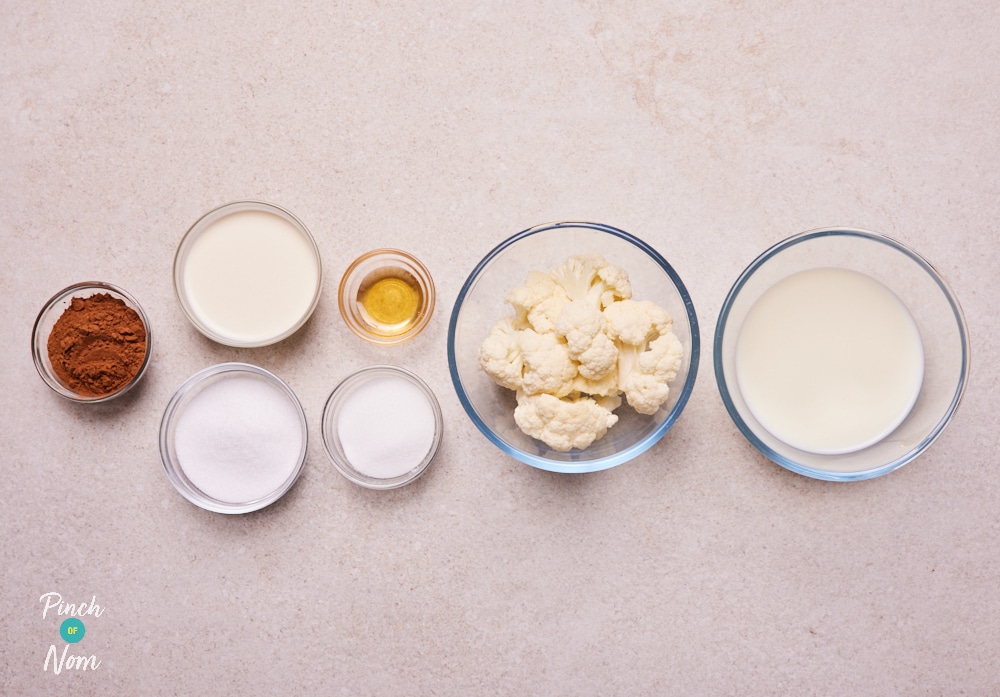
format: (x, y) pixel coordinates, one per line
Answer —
(711, 130)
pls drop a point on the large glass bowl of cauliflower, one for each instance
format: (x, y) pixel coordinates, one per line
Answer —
(573, 347)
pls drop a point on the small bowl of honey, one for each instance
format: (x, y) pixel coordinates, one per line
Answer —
(386, 296)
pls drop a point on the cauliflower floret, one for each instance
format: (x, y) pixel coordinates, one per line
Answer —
(524, 359)
(589, 278)
(645, 393)
(547, 364)
(649, 354)
(646, 384)
(538, 302)
(500, 355)
(663, 359)
(562, 424)
(637, 321)
(583, 326)
(578, 342)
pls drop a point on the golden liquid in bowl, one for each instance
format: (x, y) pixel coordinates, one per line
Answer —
(390, 300)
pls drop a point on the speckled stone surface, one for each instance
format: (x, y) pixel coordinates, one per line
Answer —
(709, 129)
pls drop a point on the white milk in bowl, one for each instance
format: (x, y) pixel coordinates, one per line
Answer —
(829, 361)
(249, 274)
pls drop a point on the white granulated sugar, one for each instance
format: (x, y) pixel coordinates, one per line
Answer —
(386, 427)
(239, 439)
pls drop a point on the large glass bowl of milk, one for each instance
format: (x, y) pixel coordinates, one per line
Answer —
(841, 354)
(248, 274)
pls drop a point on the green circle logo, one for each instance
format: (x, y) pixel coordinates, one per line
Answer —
(72, 630)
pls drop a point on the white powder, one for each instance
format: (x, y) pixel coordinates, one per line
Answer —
(386, 427)
(239, 439)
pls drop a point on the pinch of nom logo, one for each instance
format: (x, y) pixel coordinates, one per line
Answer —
(71, 630)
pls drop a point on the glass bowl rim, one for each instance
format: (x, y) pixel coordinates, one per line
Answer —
(759, 262)
(346, 387)
(633, 450)
(50, 304)
(240, 206)
(170, 413)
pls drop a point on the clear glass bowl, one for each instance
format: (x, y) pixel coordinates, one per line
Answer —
(180, 401)
(932, 305)
(331, 431)
(480, 305)
(213, 327)
(47, 319)
(392, 266)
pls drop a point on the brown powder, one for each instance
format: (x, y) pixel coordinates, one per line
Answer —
(98, 345)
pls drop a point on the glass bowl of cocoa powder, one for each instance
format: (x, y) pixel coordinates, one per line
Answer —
(91, 342)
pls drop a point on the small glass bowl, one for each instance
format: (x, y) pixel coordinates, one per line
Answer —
(183, 397)
(47, 319)
(213, 330)
(331, 436)
(380, 265)
(917, 284)
(480, 304)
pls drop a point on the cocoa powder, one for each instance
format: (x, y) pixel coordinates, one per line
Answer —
(98, 345)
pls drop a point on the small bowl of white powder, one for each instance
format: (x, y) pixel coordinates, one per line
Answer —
(381, 427)
(233, 438)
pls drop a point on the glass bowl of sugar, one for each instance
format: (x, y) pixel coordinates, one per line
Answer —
(233, 438)
(381, 427)
(841, 354)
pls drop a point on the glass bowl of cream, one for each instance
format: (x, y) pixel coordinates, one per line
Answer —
(233, 438)
(248, 274)
(382, 426)
(841, 354)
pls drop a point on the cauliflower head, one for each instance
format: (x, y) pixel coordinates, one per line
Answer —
(548, 366)
(590, 278)
(637, 321)
(584, 329)
(646, 385)
(523, 359)
(649, 353)
(562, 424)
(500, 355)
(538, 302)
